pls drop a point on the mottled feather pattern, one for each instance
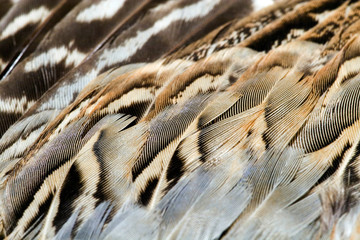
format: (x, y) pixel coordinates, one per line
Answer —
(116, 41)
(191, 119)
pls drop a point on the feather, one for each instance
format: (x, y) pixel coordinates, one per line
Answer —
(163, 26)
(182, 120)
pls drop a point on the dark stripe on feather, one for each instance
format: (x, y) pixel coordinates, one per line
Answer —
(335, 163)
(71, 189)
(146, 194)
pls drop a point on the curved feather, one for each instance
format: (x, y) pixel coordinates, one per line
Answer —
(250, 132)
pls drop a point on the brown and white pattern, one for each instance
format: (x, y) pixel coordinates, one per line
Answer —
(23, 27)
(248, 130)
(63, 49)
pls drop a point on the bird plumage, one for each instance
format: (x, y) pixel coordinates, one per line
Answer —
(185, 120)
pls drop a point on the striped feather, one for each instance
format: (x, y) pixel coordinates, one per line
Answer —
(169, 125)
(163, 26)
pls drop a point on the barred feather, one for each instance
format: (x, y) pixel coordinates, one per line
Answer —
(181, 120)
